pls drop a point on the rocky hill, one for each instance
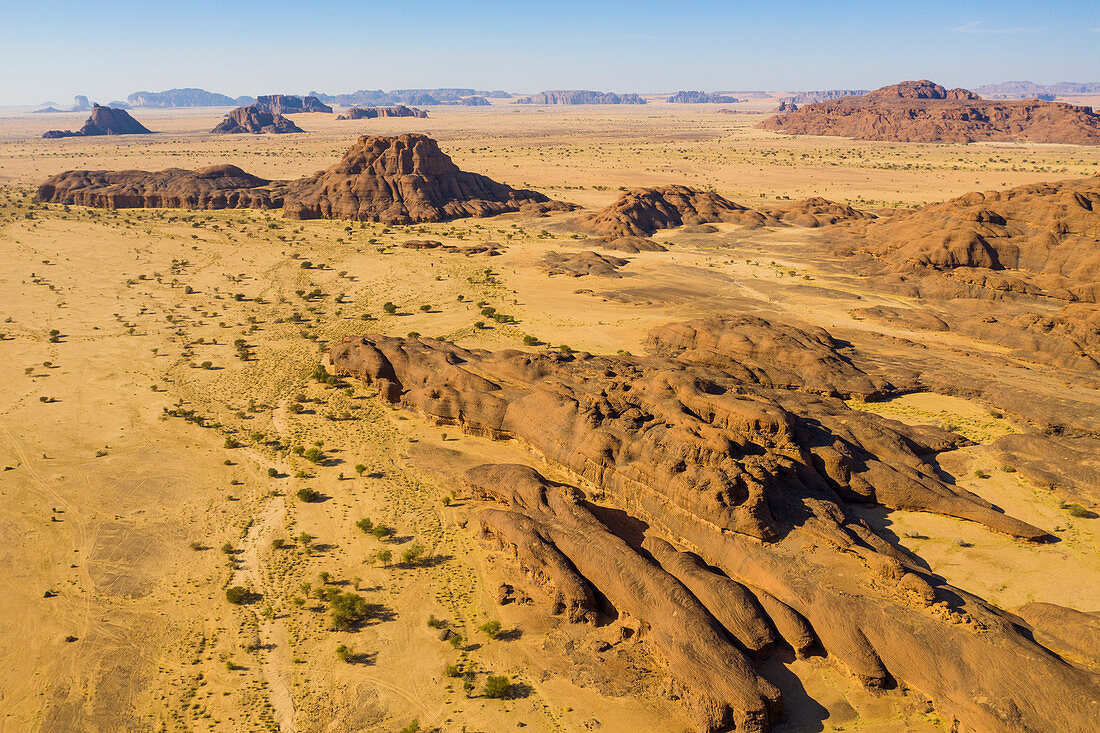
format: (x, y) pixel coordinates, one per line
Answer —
(734, 473)
(579, 96)
(255, 121)
(923, 111)
(283, 104)
(395, 180)
(186, 98)
(104, 121)
(701, 98)
(369, 113)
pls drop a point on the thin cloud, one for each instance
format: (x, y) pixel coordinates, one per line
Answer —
(978, 26)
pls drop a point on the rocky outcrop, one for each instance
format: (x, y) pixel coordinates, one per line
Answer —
(283, 104)
(395, 180)
(816, 212)
(579, 264)
(370, 113)
(104, 121)
(922, 111)
(579, 96)
(1039, 238)
(254, 120)
(186, 98)
(476, 101)
(683, 97)
(217, 187)
(724, 523)
(785, 107)
(642, 211)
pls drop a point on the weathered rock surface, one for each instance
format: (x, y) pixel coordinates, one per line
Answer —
(815, 212)
(631, 245)
(1042, 237)
(254, 120)
(370, 113)
(395, 180)
(579, 96)
(104, 121)
(683, 97)
(642, 211)
(217, 187)
(922, 111)
(402, 180)
(284, 104)
(785, 107)
(579, 264)
(707, 446)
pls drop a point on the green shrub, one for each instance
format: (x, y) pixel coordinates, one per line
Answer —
(497, 687)
(307, 494)
(237, 595)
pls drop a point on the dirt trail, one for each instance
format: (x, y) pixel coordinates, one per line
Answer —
(274, 651)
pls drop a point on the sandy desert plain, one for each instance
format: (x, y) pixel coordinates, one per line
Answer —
(123, 525)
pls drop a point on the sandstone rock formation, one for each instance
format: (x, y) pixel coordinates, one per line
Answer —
(642, 211)
(402, 180)
(922, 111)
(217, 187)
(1039, 238)
(395, 180)
(823, 95)
(489, 249)
(254, 120)
(815, 212)
(726, 478)
(785, 107)
(370, 113)
(475, 101)
(283, 104)
(186, 98)
(579, 96)
(104, 121)
(579, 264)
(683, 97)
(630, 245)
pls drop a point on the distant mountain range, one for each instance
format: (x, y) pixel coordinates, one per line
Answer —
(379, 98)
(186, 98)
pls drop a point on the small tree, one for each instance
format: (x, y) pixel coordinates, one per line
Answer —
(384, 556)
(307, 494)
(381, 531)
(389, 308)
(365, 525)
(490, 629)
(273, 472)
(345, 653)
(360, 468)
(413, 727)
(237, 595)
(412, 554)
(497, 687)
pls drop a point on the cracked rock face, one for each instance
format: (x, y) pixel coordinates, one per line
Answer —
(711, 501)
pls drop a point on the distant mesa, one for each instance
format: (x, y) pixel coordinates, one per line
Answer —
(394, 180)
(785, 108)
(104, 121)
(80, 104)
(922, 111)
(186, 98)
(283, 104)
(411, 97)
(255, 121)
(117, 104)
(823, 95)
(1031, 90)
(476, 101)
(701, 98)
(579, 96)
(370, 113)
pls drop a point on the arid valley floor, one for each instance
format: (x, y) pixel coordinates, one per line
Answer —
(147, 466)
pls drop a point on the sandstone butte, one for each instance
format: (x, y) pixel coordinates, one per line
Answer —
(735, 463)
(283, 104)
(369, 113)
(254, 120)
(395, 180)
(104, 121)
(922, 111)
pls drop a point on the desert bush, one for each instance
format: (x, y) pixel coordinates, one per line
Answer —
(497, 687)
(237, 595)
(307, 494)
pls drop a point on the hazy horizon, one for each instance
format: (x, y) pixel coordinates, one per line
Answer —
(53, 51)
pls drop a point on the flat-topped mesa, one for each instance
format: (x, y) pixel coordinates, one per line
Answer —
(254, 120)
(403, 180)
(104, 121)
(923, 111)
(369, 113)
(693, 97)
(579, 96)
(283, 104)
(394, 180)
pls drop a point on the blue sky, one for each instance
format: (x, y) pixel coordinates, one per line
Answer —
(53, 50)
